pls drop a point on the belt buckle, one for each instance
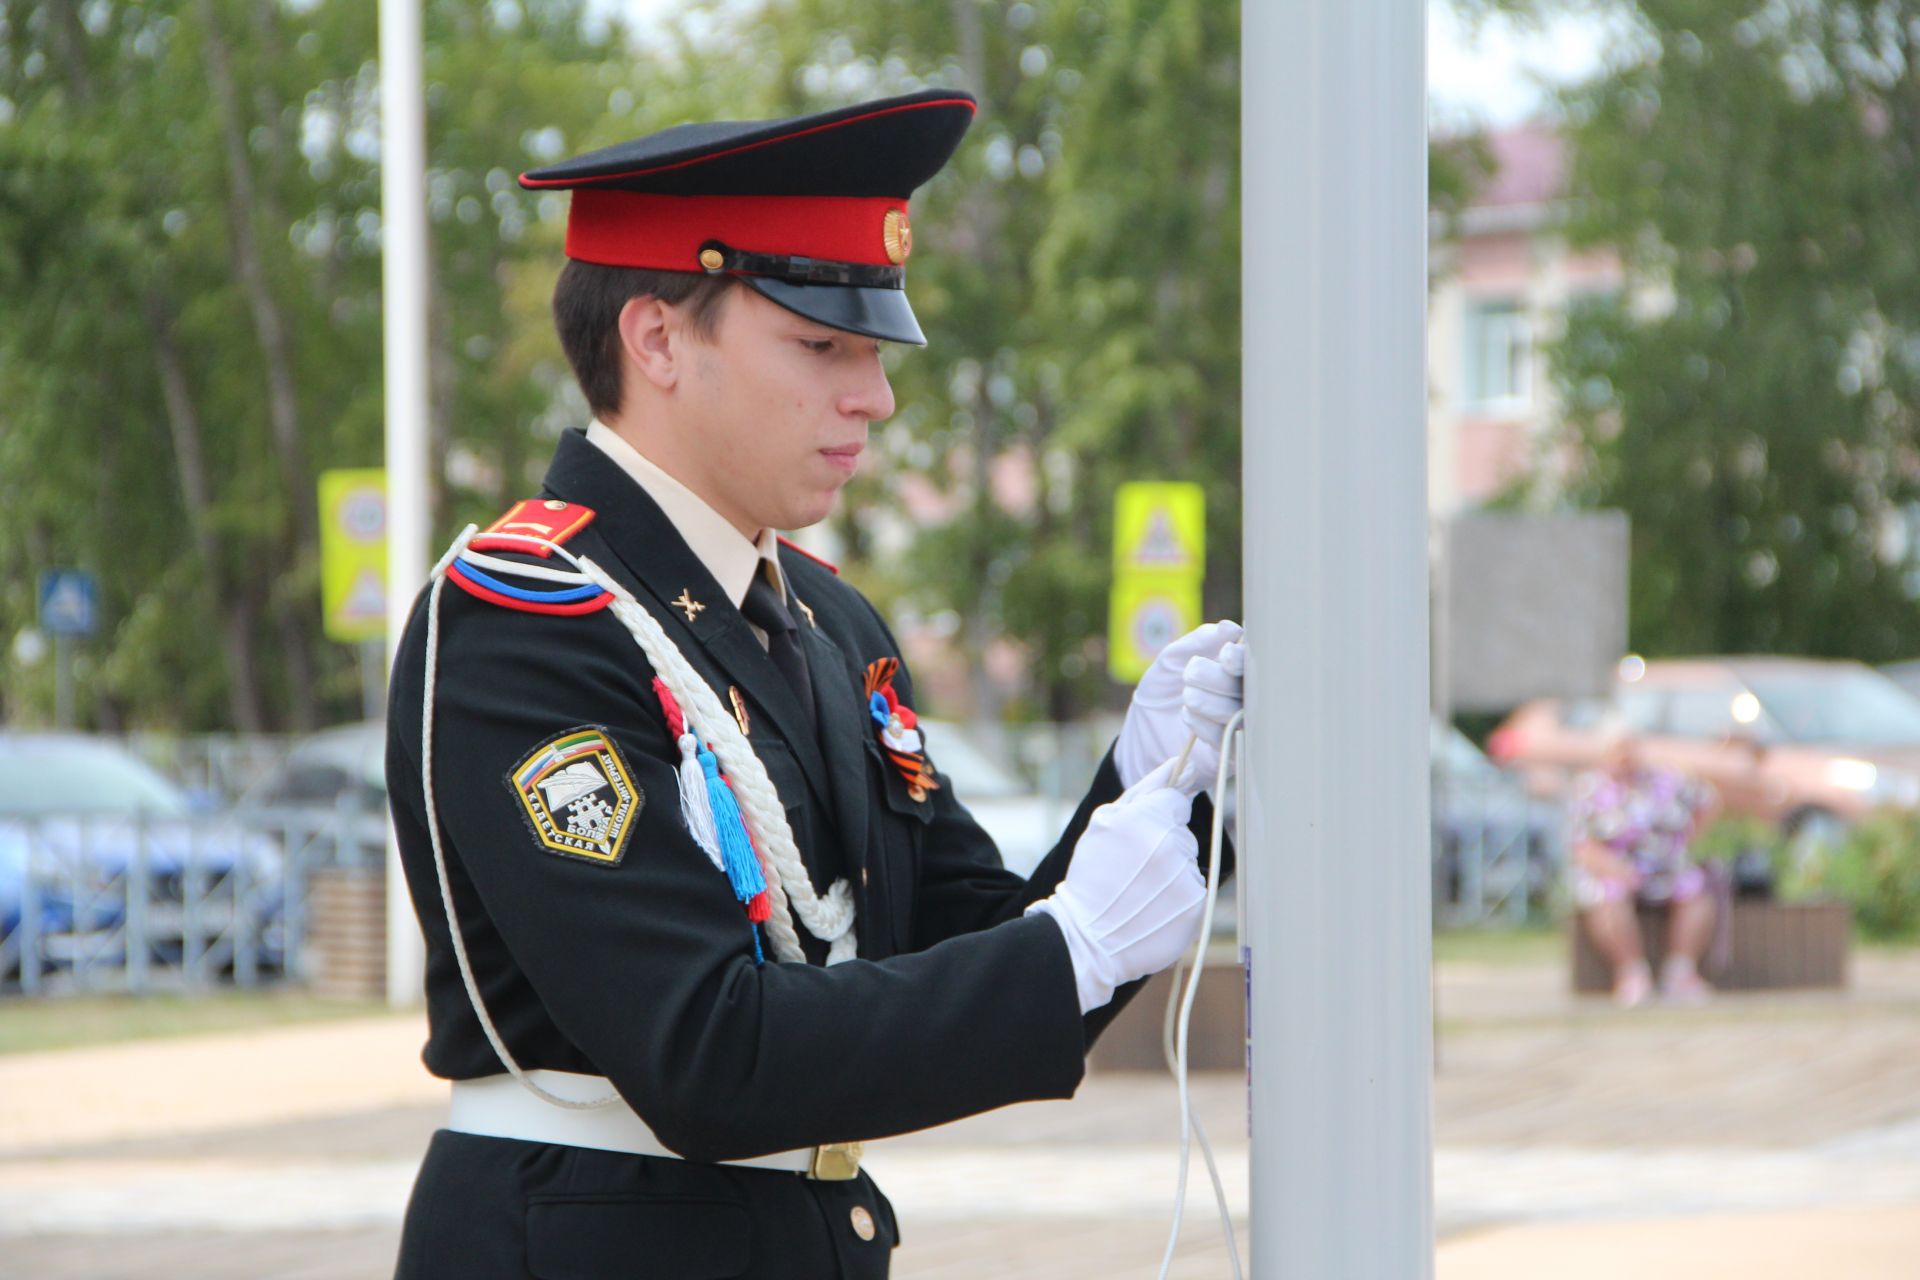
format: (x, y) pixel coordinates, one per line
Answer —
(835, 1162)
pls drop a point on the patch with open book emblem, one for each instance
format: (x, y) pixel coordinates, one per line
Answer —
(578, 796)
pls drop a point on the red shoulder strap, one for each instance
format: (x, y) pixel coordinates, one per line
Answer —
(548, 518)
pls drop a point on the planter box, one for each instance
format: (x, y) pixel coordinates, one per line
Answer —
(1216, 1038)
(1775, 945)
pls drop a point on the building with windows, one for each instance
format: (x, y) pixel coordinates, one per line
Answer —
(1501, 282)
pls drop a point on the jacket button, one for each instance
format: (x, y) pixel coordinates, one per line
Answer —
(862, 1222)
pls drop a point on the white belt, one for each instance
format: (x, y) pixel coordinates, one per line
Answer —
(500, 1107)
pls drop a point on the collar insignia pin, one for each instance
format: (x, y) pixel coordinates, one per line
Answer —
(688, 604)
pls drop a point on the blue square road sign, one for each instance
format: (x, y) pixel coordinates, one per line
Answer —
(68, 602)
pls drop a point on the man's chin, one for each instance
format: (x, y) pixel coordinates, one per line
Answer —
(809, 511)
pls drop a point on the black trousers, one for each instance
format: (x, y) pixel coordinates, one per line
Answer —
(501, 1209)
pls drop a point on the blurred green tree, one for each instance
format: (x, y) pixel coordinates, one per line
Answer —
(1750, 401)
(1080, 292)
(189, 247)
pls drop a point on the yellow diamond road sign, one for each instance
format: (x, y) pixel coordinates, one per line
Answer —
(1160, 528)
(353, 553)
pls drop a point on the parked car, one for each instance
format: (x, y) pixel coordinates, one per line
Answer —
(346, 762)
(1905, 674)
(1023, 823)
(1809, 744)
(81, 819)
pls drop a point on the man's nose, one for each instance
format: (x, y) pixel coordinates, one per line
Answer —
(871, 396)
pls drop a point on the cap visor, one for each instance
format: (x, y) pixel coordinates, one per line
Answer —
(872, 313)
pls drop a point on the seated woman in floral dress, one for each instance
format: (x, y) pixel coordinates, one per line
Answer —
(1631, 825)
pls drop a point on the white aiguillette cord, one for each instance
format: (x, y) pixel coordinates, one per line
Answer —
(1173, 1042)
(829, 917)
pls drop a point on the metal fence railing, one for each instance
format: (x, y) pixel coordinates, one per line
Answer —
(1498, 853)
(125, 904)
(132, 905)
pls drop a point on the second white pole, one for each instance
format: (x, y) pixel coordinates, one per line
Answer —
(403, 276)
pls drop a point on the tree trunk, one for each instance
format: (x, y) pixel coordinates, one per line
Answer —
(230, 601)
(270, 329)
(72, 39)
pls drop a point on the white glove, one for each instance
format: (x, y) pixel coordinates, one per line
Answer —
(1132, 899)
(1193, 687)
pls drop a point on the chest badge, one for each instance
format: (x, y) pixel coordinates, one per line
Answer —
(578, 796)
(898, 729)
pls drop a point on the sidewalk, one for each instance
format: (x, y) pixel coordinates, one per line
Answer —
(1766, 1136)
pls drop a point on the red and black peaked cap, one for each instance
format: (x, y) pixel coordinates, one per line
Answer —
(810, 211)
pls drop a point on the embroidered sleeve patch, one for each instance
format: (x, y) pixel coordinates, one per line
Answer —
(578, 796)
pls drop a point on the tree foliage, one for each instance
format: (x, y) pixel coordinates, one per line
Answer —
(189, 241)
(1750, 401)
(189, 249)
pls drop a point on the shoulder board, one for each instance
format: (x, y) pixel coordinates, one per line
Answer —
(791, 545)
(518, 585)
(547, 518)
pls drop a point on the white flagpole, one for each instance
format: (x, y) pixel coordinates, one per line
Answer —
(1336, 842)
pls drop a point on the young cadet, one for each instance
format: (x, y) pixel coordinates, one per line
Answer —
(701, 911)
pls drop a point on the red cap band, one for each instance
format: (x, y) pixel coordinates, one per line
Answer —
(665, 233)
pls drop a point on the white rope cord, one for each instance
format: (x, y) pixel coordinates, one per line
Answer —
(525, 570)
(831, 919)
(440, 857)
(1189, 1122)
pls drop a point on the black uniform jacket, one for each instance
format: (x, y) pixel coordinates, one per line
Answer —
(643, 971)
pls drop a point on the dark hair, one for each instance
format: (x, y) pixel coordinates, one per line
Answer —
(586, 310)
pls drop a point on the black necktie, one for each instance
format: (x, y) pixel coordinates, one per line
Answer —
(764, 609)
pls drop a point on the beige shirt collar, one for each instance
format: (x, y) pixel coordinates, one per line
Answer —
(727, 554)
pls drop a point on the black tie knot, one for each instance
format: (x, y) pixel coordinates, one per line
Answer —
(764, 608)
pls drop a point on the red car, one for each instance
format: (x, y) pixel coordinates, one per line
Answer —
(1809, 744)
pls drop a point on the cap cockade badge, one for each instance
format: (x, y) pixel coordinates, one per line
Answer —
(578, 796)
(897, 233)
(898, 729)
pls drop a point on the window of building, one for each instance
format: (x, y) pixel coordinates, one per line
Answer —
(1499, 353)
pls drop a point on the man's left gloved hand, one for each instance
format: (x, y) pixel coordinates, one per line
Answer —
(1193, 687)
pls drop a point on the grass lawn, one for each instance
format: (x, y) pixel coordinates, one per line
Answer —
(1522, 945)
(28, 1024)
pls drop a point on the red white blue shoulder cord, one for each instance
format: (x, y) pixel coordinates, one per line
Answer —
(587, 588)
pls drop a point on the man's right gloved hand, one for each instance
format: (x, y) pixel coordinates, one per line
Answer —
(1133, 896)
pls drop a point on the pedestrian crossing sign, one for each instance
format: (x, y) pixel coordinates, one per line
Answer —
(1160, 528)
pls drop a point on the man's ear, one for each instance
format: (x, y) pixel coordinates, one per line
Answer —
(650, 339)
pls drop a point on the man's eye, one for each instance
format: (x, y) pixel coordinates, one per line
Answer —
(818, 346)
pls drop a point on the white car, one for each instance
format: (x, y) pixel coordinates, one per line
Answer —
(1023, 823)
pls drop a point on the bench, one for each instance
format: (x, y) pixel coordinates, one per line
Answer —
(1774, 945)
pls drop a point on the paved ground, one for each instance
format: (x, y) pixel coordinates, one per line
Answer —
(1765, 1136)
